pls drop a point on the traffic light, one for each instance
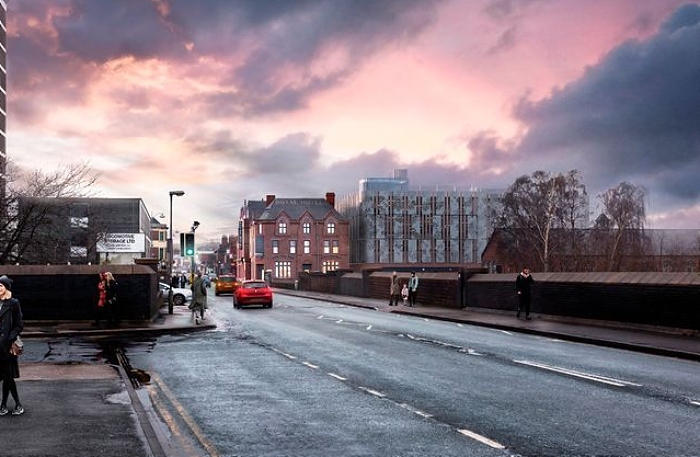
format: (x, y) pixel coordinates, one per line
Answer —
(189, 244)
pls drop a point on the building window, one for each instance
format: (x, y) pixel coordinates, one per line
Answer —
(330, 228)
(307, 246)
(79, 222)
(78, 252)
(292, 246)
(306, 228)
(282, 228)
(79, 216)
(326, 246)
(306, 267)
(335, 247)
(330, 265)
(283, 269)
(275, 246)
(161, 236)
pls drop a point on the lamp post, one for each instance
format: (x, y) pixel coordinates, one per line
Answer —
(195, 224)
(178, 193)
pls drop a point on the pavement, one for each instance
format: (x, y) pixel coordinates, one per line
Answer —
(82, 409)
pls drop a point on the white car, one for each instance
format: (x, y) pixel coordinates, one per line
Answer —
(180, 295)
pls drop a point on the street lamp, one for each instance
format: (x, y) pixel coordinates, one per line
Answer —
(195, 224)
(178, 193)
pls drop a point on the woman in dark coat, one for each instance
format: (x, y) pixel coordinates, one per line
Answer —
(10, 327)
(106, 299)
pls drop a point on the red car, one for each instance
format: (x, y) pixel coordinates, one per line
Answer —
(252, 292)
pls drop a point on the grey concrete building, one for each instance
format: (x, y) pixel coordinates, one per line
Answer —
(86, 230)
(394, 224)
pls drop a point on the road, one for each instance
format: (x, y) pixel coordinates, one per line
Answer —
(308, 378)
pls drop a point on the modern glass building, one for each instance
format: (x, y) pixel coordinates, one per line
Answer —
(394, 224)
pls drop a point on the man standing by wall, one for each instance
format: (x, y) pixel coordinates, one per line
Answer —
(394, 290)
(412, 289)
(522, 287)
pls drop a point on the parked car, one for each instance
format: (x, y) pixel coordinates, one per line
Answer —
(252, 292)
(226, 284)
(180, 295)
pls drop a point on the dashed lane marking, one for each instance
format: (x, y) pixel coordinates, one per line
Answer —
(372, 392)
(579, 374)
(337, 376)
(481, 439)
(422, 414)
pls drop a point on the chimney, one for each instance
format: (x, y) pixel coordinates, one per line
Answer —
(330, 198)
(269, 199)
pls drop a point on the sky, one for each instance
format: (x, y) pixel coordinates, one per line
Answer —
(232, 100)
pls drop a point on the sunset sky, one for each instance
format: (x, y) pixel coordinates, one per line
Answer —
(230, 100)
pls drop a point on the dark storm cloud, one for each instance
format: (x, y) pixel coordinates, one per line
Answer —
(633, 116)
(271, 46)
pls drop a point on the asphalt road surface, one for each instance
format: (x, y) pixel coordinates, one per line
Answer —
(308, 378)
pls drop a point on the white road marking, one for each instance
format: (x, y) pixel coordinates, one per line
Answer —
(369, 327)
(289, 356)
(372, 392)
(579, 374)
(339, 321)
(481, 439)
(337, 376)
(415, 411)
(696, 403)
(461, 349)
(310, 365)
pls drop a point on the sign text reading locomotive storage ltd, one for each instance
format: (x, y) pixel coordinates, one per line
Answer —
(122, 242)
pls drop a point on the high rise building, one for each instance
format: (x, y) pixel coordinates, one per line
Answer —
(3, 97)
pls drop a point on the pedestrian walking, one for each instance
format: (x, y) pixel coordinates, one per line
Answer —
(394, 290)
(522, 287)
(412, 289)
(106, 308)
(199, 298)
(11, 326)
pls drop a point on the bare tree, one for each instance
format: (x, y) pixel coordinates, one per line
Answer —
(27, 207)
(541, 206)
(623, 205)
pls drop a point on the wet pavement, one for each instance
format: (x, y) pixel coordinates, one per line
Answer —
(86, 404)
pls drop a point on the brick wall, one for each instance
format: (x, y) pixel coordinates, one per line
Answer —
(69, 292)
(661, 299)
(657, 299)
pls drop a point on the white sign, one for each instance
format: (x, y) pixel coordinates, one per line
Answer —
(122, 242)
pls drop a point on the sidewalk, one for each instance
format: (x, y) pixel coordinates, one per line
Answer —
(88, 409)
(76, 409)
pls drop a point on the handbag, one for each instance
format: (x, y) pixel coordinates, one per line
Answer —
(17, 347)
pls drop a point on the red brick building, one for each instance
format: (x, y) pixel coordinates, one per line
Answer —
(281, 237)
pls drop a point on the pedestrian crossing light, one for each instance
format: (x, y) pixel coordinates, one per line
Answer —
(189, 244)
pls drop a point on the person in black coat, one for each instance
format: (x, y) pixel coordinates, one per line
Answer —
(522, 287)
(11, 326)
